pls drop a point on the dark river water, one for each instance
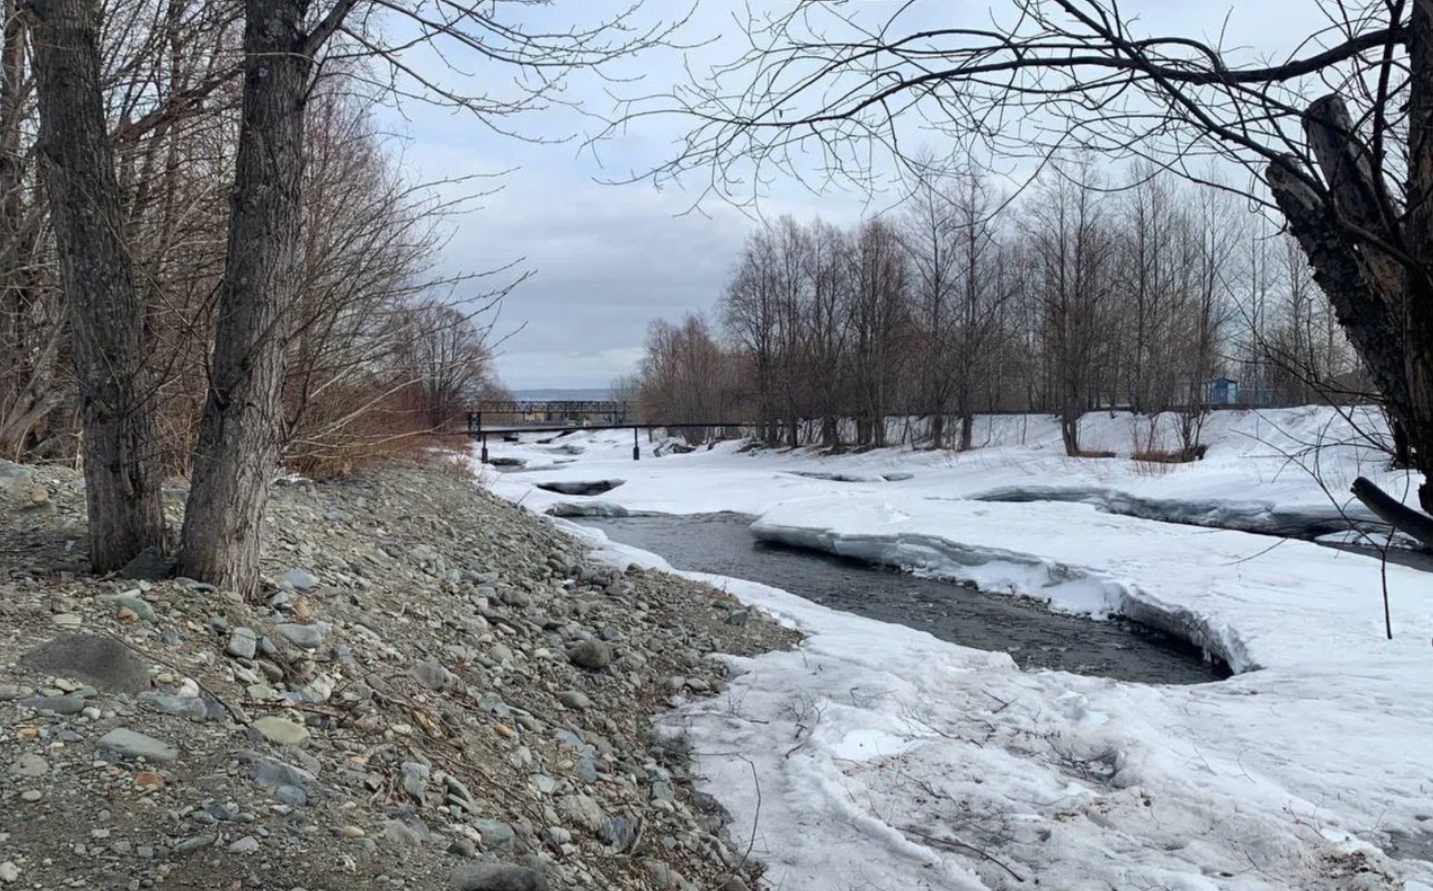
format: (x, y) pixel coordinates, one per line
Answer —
(1034, 636)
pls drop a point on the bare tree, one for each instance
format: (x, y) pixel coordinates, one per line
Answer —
(1074, 249)
(122, 481)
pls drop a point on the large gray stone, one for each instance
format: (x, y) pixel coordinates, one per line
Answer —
(309, 637)
(149, 564)
(102, 661)
(243, 643)
(496, 877)
(60, 705)
(433, 676)
(282, 732)
(128, 744)
(180, 706)
(272, 774)
(581, 811)
(593, 655)
(301, 579)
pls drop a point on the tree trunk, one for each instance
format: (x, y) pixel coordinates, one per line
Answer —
(122, 485)
(240, 437)
(1416, 304)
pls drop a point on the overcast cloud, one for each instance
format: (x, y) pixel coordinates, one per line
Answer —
(608, 260)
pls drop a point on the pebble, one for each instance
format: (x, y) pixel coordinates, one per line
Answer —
(243, 643)
(246, 845)
(129, 744)
(9, 872)
(574, 699)
(66, 620)
(31, 795)
(592, 655)
(308, 637)
(30, 765)
(282, 732)
(496, 877)
(581, 811)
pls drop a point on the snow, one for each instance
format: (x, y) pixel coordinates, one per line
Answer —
(876, 756)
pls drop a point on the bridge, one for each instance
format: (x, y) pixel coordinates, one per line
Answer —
(564, 416)
(540, 411)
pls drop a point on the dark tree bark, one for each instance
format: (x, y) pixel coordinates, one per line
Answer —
(1385, 304)
(238, 450)
(122, 484)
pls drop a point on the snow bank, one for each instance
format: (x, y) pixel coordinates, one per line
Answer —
(877, 757)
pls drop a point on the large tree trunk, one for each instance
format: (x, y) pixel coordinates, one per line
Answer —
(116, 389)
(240, 437)
(1417, 303)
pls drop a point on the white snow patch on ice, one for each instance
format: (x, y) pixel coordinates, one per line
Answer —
(878, 757)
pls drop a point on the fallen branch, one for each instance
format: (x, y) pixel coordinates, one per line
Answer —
(960, 846)
(1393, 512)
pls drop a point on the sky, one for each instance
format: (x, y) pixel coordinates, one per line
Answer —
(608, 259)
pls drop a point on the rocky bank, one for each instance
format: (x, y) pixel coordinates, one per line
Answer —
(436, 690)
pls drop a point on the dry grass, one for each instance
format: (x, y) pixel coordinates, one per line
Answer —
(1170, 456)
(1087, 453)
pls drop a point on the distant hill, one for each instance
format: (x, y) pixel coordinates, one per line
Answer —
(560, 394)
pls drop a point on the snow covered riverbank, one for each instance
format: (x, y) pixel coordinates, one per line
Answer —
(880, 757)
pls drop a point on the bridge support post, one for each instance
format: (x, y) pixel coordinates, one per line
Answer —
(485, 449)
(636, 449)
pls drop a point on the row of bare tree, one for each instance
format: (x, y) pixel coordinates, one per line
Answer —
(139, 331)
(1070, 297)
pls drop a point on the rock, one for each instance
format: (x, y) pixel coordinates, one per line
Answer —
(149, 565)
(309, 637)
(282, 732)
(898, 477)
(102, 661)
(29, 765)
(497, 835)
(128, 744)
(179, 706)
(292, 796)
(415, 780)
(190, 845)
(9, 873)
(581, 811)
(434, 676)
(246, 845)
(585, 770)
(14, 691)
(576, 700)
(401, 834)
(147, 779)
(272, 774)
(67, 620)
(496, 877)
(136, 605)
(663, 791)
(31, 795)
(463, 847)
(739, 618)
(579, 487)
(301, 579)
(243, 643)
(60, 705)
(593, 655)
(618, 832)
